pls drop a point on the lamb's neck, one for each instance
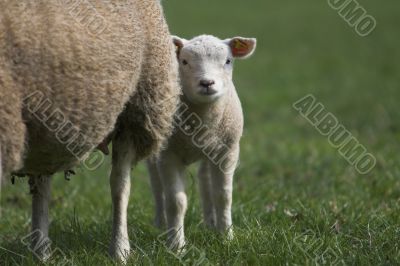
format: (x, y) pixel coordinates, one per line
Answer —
(209, 113)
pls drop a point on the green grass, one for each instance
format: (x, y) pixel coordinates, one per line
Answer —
(296, 200)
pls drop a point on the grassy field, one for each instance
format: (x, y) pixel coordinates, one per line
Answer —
(296, 199)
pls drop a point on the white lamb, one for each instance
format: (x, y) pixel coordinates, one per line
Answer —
(209, 125)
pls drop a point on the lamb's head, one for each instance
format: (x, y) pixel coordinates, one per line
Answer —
(206, 65)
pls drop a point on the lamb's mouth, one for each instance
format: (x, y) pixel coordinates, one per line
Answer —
(208, 91)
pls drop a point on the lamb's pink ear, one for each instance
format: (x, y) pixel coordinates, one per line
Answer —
(179, 43)
(242, 47)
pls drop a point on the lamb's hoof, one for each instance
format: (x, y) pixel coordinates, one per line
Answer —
(176, 243)
(210, 223)
(160, 223)
(229, 234)
(177, 246)
(120, 251)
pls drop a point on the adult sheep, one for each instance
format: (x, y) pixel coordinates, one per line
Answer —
(67, 69)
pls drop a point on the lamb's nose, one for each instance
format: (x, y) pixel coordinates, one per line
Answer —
(207, 83)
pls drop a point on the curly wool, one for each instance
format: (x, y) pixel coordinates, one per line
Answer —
(86, 77)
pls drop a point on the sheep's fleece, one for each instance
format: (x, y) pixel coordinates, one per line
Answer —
(54, 65)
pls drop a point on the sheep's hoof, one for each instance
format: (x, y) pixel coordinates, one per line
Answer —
(120, 251)
(42, 253)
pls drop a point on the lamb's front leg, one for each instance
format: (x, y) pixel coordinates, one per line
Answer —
(123, 157)
(222, 178)
(40, 190)
(171, 171)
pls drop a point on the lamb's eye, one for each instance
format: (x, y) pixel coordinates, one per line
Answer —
(184, 62)
(228, 62)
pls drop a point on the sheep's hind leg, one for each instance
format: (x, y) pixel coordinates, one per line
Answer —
(158, 193)
(1, 175)
(40, 242)
(123, 157)
(1, 171)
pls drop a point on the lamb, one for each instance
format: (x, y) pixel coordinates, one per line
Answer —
(209, 125)
(66, 78)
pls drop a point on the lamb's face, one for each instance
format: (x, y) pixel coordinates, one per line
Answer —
(206, 65)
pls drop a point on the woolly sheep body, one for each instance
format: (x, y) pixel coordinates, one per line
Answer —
(88, 78)
(51, 62)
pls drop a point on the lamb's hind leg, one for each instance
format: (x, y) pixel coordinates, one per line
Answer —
(171, 171)
(158, 193)
(205, 193)
(123, 156)
(40, 190)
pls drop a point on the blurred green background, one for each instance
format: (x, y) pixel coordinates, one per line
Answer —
(296, 200)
